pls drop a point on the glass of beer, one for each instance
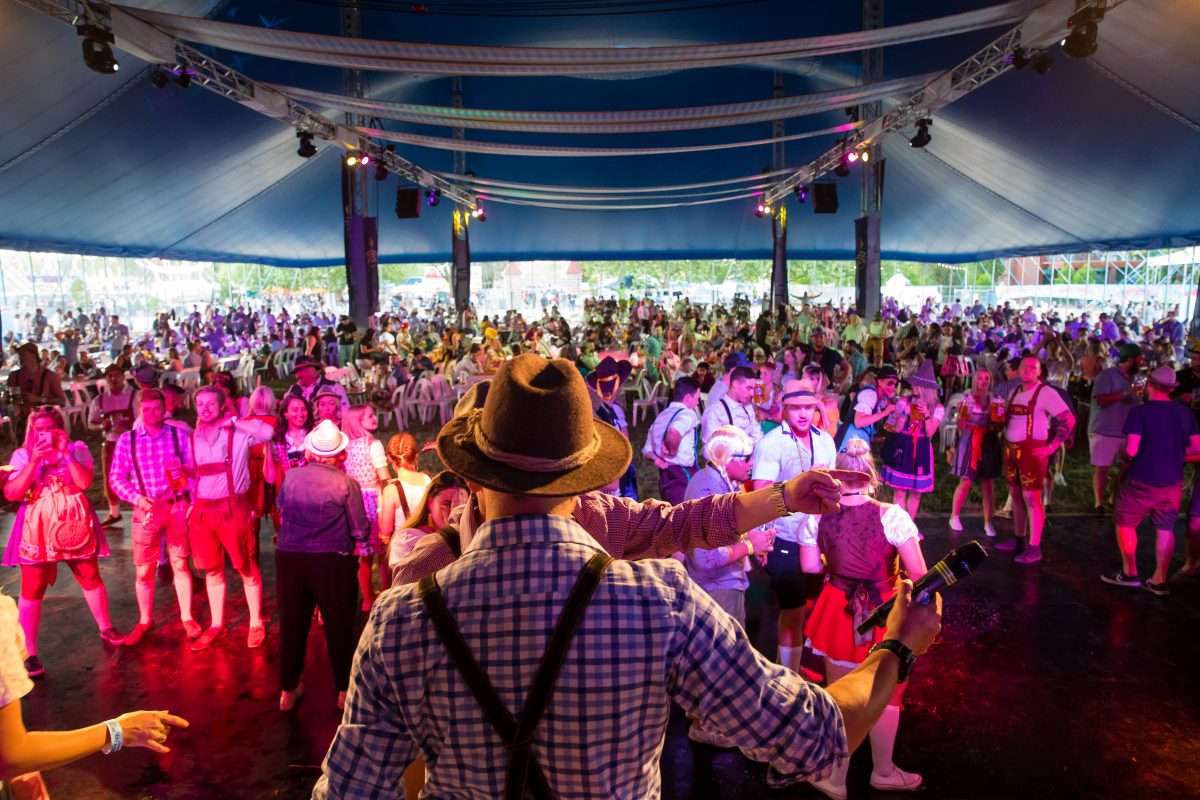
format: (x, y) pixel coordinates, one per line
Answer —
(997, 409)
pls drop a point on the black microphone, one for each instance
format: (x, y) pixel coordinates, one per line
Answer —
(958, 564)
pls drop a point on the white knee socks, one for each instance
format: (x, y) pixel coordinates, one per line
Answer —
(883, 740)
(97, 600)
(29, 613)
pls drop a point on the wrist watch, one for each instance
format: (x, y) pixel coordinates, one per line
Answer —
(777, 499)
(901, 651)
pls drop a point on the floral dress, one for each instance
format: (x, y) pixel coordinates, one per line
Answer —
(364, 456)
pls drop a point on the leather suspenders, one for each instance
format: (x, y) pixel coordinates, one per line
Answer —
(517, 734)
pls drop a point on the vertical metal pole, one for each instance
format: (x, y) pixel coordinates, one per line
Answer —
(460, 250)
(867, 278)
(360, 231)
(779, 276)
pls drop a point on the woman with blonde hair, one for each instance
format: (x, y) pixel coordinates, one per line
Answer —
(367, 463)
(444, 493)
(863, 545)
(260, 406)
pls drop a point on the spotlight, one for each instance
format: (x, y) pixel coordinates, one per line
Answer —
(97, 50)
(864, 155)
(306, 149)
(433, 197)
(365, 160)
(1081, 41)
(157, 78)
(763, 209)
(1042, 64)
(1020, 59)
(354, 158)
(381, 171)
(184, 79)
(802, 193)
(478, 213)
(851, 157)
(841, 170)
(922, 138)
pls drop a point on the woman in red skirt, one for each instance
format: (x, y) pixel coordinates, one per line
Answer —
(863, 544)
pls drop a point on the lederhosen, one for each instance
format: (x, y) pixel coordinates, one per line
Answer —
(1020, 465)
(668, 476)
(517, 734)
(149, 521)
(235, 510)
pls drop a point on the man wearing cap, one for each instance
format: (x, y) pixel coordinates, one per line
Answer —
(311, 381)
(792, 449)
(32, 385)
(1159, 436)
(112, 411)
(672, 440)
(735, 408)
(1112, 397)
(219, 522)
(323, 526)
(593, 723)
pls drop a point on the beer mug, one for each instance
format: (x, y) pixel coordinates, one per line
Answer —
(998, 409)
(916, 414)
(176, 478)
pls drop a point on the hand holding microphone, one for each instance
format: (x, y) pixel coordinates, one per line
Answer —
(915, 625)
(958, 564)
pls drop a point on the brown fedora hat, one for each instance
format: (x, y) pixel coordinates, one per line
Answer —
(535, 434)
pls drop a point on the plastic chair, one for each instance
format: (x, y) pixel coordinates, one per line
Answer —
(645, 403)
(77, 408)
(948, 430)
(446, 397)
(426, 401)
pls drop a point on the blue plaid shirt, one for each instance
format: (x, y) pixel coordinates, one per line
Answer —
(650, 636)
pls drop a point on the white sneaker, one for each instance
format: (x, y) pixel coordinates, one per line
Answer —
(896, 781)
(989, 530)
(956, 524)
(1060, 479)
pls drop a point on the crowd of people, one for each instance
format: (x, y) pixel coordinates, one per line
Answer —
(774, 434)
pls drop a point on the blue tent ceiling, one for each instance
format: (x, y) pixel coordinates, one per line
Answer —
(1084, 157)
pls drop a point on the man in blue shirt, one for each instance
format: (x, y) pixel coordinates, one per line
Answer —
(1159, 436)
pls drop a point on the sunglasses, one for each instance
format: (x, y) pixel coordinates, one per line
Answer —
(741, 457)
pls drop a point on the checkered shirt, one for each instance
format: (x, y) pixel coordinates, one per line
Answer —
(623, 527)
(650, 636)
(153, 454)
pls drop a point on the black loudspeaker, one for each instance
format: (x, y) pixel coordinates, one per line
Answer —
(408, 203)
(825, 199)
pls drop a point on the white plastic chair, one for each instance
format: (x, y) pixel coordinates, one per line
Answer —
(78, 402)
(426, 401)
(646, 402)
(446, 397)
(948, 430)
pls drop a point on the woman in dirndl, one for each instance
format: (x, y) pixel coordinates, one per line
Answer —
(863, 544)
(55, 524)
(908, 452)
(367, 463)
(977, 457)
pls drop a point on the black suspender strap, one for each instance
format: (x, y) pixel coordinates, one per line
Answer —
(452, 539)
(517, 735)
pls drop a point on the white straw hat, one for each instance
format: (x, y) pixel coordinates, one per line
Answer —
(325, 440)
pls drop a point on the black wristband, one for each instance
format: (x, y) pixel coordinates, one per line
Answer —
(901, 651)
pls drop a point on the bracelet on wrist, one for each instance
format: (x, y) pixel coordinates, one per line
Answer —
(749, 547)
(116, 739)
(777, 499)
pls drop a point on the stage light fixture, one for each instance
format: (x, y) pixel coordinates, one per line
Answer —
(851, 157)
(381, 172)
(842, 169)
(184, 78)
(922, 138)
(433, 197)
(802, 193)
(306, 149)
(478, 213)
(97, 49)
(1020, 59)
(762, 209)
(1042, 64)
(157, 78)
(1081, 41)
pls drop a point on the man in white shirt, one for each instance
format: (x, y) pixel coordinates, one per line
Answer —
(1027, 455)
(732, 361)
(735, 408)
(113, 413)
(794, 447)
(672, 439)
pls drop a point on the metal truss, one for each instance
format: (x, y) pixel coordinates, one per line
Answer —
(984, 66)
(211, 74)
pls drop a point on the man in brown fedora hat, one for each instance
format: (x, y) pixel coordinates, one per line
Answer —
(606, 645)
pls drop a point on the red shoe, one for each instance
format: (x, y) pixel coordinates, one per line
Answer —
(207, 638)
(138, 633)
(191, 629)
(256, 636)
